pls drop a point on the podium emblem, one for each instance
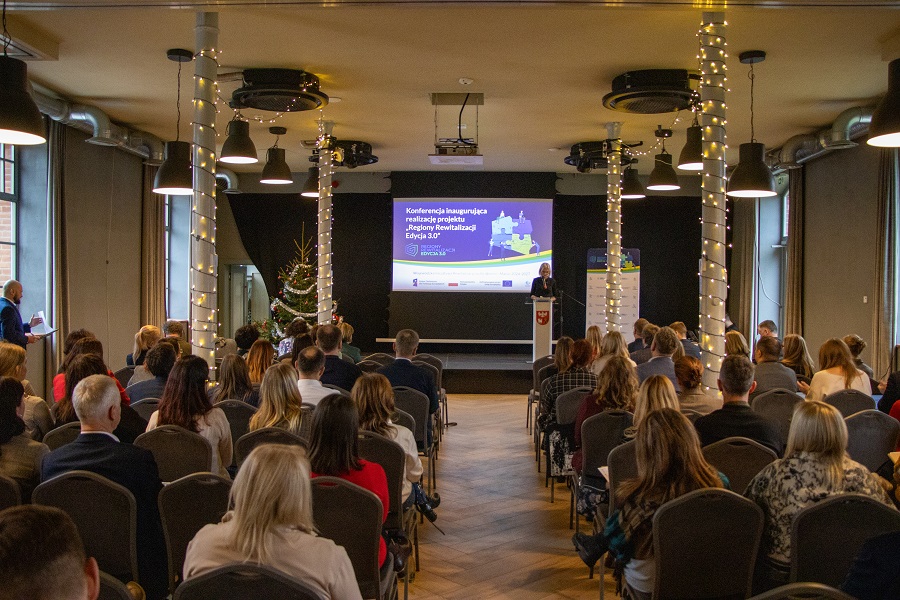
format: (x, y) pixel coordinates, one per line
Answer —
(542, 316)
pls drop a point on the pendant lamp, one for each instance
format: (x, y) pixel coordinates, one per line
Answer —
(752, 177)
(691, 157)
(663, 177)
(238, 148)
(631, 185)
(175, 176)
(21, 122)
(276, 171)
(884, 130)
(311, 187)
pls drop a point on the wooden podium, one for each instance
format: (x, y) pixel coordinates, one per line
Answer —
(542, 326)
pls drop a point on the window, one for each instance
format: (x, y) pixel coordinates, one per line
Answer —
(9, 195)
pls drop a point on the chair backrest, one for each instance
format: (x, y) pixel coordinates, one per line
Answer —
(401, 417)
(62, 435)
(705, 545)
(381, 358)
(337, 388)
(599, 435)
(778, 405)
(567, 404)
(544, 373)
(536, 367)
(123, 375)
(871, 435)
(238, 414)
(185, 506)
(306, 419)
(435, 362)
(244, 581)
(740, 459)
(369, 366)
(803, 589)
(850, 402)
(267, 435)
(146, 407)
(112, 589)
(433, 370)
(415, 403)
(351, 517)
(10, 494)
(622, 462)
(177, 451)
(387, 453)
(827, 536)
(105, 514)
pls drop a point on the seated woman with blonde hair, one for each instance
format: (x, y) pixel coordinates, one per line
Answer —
(612, 344)
(144, 339)
(37, 417)
(838, 372)
(279, 400)
(655, 393)
(271, 524)
(736, 343)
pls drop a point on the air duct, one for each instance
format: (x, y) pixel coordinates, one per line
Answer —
(788, 154)
(230, 179)
(845, 122)
(799, 149)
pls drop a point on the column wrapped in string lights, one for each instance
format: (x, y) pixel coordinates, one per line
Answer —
(324, 281)
(614, 228)
(713, 274)
(203, 214)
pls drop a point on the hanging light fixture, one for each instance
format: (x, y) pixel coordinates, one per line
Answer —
(175, 176)
(884, 130)
(691, 157)
(752, 177)
(276, 171)
(238, 148)
(311, 187)
(663, 177)
(632, 189)
(21, 122)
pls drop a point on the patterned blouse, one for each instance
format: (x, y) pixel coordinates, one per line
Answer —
(790, 484)
(553, 387)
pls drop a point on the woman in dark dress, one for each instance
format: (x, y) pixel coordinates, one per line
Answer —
(544, 286)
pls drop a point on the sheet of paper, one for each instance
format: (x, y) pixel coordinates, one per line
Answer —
(604, 471)
(44, 328)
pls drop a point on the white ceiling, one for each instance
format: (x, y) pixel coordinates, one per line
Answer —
(543, 67)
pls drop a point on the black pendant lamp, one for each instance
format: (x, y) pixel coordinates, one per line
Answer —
(238, 148)
(175, 176)
(21, 122)
(663, 177)
(691, 157)
(276, 171)
(752, 177)
(884, 130)
(632, 189)
(311, 187)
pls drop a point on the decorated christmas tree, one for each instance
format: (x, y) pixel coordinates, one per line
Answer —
(296, 298)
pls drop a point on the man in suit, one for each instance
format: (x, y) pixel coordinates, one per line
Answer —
(159, 362)
(736, 418)
(338, 371)
(402, 372)
(662, 348)
(690, 348)
(98, 407)
(643, 354)
(770, 373)
(638, 342)
(12, 329)
(175, 329)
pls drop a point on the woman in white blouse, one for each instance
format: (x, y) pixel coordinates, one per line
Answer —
(837, 372)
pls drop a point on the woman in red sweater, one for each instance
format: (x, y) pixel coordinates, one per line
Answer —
(333, 452)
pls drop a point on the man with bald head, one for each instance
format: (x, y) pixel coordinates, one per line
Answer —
(12, 329)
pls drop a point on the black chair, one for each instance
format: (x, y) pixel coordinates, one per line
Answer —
(778, 405)
(850, 402)
(566, 410)
(438, 364)
(238, 414)
(10, 493)
(401, 417)
(146, 407)
(124, 375)
(62, 435)
(177, 451)
(871, 434)
(369, 366)
(245, 581)
(112, 589)
(535, 393)
(306, 413)
(336, 388)
(382, 358)
(793, 591)
(267, 435)
(416, 404)
(437, 417)
(740, 459)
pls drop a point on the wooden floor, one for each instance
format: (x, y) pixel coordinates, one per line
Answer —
(504, 539)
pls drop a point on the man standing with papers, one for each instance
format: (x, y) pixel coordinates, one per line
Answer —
(12, 329)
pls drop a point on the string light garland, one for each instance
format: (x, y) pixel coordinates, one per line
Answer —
(324, 279)
(713, 273)
(614, 228)
(204, 261)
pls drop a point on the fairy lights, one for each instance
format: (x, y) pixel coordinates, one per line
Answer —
(323, 280)
(713, 273)
(614, 228)
(204, 324)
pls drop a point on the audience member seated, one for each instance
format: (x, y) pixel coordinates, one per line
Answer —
(767, 328)
(346, 339)
(690, 347)
(815, 466)
(338, 371)
(617, 389)
(562, 357)
(298, 326)
(594, 337)
(234, 382)
(664, 346)
(692, 397)
(225, 347)
(612, 344)
(98, 407)
(159, 362)
(796, 356)
(875, 574)
(838, 372)
(20, 456)
(374, 399)
(37, 417)
(736, 344)
(576, 376)
(184, 403)
(42, 557)
(736, 418)
(310, 363)
(259, 359)
(83, 346)
(69, 344)
(174, 330)
(856, 345)
(655, 393)
(144, 339)
(271, 524)
(333, 452)
(279, 400)
(890, 392)
(141, 373)
(638, 330)
(402, 372)
(770, 374)
(642, 355)
(244, 337)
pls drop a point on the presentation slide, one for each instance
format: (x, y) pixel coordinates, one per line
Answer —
(470, 244)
